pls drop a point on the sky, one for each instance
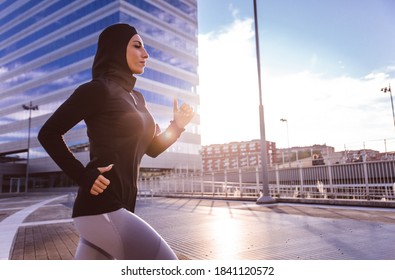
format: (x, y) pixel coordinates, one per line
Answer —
(323, 65)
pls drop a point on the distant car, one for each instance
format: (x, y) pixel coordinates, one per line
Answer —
(318, 160)
(357, 158)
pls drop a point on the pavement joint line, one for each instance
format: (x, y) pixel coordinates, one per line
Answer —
(48, 222)
(323, 206)
(9, 226)
(8, 209)
(53, 205)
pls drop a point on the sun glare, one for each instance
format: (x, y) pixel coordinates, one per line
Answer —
(226, 232)
(228, 85)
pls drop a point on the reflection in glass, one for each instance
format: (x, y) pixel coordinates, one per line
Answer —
(58, 24)
(170, 39)
(178, 23)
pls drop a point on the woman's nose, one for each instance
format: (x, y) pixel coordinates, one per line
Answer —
(145, 54)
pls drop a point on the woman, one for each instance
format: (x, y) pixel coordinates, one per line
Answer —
(120, 131)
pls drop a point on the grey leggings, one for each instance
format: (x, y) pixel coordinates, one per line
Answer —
(119, 235)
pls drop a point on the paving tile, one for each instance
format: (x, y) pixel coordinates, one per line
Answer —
(211, 229)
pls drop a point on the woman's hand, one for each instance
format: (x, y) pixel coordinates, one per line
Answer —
(183, 115)
(101, 183)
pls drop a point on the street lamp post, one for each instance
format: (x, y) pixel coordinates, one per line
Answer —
(392, 102)
(30, 108)
(265, 196)
(289, 151)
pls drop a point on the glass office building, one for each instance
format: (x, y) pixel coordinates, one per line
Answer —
(46, 51)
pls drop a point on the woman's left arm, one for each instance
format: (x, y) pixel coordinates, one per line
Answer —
(182, 116)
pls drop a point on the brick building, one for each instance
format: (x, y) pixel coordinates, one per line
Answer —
(235, 155)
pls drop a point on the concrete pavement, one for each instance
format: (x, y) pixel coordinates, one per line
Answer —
(39, 227)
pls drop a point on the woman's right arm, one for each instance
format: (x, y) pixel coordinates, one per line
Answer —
(84, 102)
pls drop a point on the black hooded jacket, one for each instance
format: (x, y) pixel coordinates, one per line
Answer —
(119, 127)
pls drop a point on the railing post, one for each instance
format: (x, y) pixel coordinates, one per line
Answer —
(202, 183)
(330, 174)
(257, 179)
(330, 179)
(176, 183)
(192, 184)
(148, 185)
(301, 180)
(226, 182)
(277, 180)
(183, 183)
(212, 183)
(240, 183)
(365, 171)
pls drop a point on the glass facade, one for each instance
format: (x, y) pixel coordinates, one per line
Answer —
(47, 49)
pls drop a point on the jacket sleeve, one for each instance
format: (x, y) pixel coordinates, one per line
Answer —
(164, 140)
(84, 102)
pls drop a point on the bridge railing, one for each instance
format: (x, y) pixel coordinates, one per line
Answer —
(355, 181)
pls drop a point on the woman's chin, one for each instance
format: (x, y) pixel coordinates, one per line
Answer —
(138, 72)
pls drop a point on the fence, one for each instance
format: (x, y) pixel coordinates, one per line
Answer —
(354, 181)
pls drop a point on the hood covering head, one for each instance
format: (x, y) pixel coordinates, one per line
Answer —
(110, 58)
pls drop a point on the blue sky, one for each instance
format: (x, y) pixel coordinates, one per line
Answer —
(323, 65)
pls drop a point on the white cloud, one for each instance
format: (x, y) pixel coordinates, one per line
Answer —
(3, 70)
(26, 76)
(228, 84)
(377, 76)
(68, 80)
(337, 111)
(235, 12)
(341, 111)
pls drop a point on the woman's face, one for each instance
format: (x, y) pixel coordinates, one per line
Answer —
(136, 55)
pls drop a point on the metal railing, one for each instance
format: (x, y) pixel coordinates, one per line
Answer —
(355, 181)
